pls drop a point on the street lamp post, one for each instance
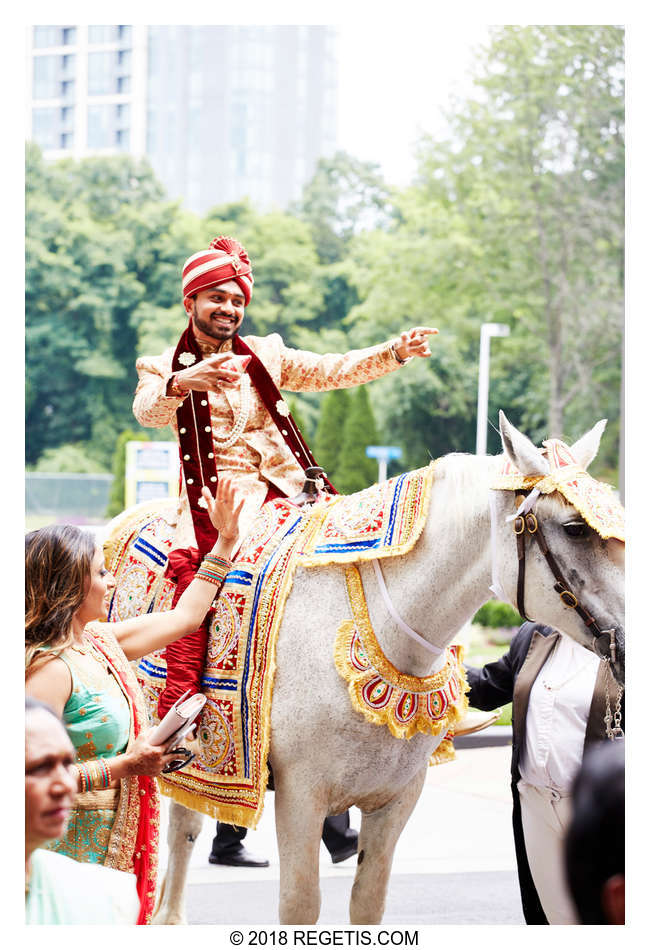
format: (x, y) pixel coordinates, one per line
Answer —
(383, 454)
(487, 330)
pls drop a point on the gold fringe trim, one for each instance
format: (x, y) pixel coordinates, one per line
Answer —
(444, 753)
(376, 658)
(545, 483)
(312, 522)
(309, 559)
(376, 665)
(230, 814)
(559, 480)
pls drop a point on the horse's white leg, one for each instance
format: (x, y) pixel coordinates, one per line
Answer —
(377, 839)
(298, 824)
(184, 828)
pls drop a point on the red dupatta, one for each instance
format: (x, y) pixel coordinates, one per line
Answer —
(133, 844)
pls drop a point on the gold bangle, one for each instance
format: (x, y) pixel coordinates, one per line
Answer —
(94, 773)
(84, 777)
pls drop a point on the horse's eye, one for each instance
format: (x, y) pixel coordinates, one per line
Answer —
(576, 529)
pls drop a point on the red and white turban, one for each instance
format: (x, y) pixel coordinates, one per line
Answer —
(224, 260)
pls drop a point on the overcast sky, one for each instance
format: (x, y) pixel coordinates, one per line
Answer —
(394, 82)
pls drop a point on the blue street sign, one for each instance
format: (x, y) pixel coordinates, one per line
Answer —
(383, 452)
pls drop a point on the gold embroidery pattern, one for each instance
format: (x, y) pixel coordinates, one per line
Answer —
(87, 835)
(384, 520)
(381, 693)
(232, 794)
(595, 500)
(87, 751)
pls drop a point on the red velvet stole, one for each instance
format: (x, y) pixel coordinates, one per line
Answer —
(195, 432)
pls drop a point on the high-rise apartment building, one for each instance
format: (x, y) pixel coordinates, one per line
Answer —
(222, 112)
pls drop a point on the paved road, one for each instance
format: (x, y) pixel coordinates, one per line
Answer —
(454, 863)
(413, 899)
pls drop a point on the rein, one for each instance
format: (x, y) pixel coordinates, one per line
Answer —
(604, 641)
(403, 626)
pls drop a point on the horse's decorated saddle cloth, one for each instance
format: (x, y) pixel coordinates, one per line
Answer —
(229, 777)
(595, 500)
(384, 520)
(135, 552)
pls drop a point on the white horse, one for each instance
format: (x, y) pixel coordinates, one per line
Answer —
(325, 756)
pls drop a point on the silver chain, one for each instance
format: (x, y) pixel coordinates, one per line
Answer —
(615, 731)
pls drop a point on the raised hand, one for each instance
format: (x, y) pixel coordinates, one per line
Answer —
(414, 342)
(224, 513)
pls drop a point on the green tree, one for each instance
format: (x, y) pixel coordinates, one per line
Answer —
(296, 412)
(539, 178)
(517, 217)
(344, 196)
(97, 251)
(355, 470)
(335, 408)
(68, 458)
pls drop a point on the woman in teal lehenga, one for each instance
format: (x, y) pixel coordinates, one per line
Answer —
(81, 668)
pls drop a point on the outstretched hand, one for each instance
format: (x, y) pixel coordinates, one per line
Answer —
(414, 342)
(224, 513)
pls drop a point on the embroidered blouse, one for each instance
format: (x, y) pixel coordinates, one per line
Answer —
(97, 714)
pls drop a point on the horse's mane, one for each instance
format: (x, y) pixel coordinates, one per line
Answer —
(465, 473)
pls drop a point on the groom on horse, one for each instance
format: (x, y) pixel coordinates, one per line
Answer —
(220, 393)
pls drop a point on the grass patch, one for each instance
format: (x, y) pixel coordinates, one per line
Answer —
(487, 644)
(505, 719)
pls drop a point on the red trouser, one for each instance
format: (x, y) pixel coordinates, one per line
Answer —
(186, 656)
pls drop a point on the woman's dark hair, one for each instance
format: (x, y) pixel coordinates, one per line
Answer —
(58, 563)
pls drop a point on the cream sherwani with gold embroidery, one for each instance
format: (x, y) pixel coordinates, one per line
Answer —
(261, 455)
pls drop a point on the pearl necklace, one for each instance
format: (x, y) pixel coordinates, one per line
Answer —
(242, 416)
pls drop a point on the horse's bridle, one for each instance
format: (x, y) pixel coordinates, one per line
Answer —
(604, 640)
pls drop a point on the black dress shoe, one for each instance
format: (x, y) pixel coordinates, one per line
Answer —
(342, 854)
(238, 858)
